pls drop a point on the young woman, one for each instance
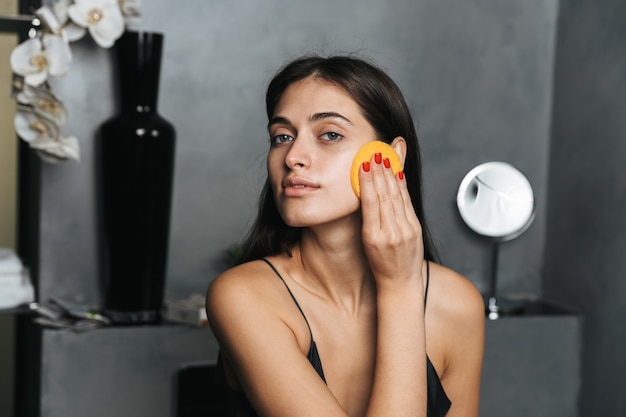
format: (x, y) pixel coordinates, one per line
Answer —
(339, 307)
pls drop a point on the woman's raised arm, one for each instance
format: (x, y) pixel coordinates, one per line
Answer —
(392, 238)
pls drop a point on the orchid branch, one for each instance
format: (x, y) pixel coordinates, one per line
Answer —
(47, 54)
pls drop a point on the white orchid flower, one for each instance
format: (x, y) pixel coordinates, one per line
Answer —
(43, 135)
(44, 102)
(60, 150)
(36, 59)
(50, 19)
(103, 19)
(57, 20)
(32, 126)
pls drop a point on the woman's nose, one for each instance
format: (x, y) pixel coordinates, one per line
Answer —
(300, 153)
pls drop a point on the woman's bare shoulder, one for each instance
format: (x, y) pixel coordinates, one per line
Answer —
(240, 276)
(240, 285)
(454, 295)
(248, 296)
(459, 330)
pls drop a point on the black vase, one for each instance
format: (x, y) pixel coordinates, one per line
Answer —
(135, 174)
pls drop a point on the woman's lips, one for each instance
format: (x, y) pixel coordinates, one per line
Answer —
(298, 187)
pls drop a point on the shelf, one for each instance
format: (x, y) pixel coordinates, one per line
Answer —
(22, 309)
(528, 308)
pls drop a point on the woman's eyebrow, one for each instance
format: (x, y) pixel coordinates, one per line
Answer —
(314, 118)
(329, 115)
(278, 120)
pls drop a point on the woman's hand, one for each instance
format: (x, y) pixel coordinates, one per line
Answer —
(392, 233)
(392, 238)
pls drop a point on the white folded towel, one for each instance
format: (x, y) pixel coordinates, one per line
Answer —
(16, 295)
(9, 262)
(15, 285)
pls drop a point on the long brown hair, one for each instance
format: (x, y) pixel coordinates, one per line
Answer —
(384, 107)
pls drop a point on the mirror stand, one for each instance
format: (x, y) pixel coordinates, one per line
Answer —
(496, 306)
(493, 310)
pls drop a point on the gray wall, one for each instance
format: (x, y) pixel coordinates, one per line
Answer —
(478, 75)
(586, 233)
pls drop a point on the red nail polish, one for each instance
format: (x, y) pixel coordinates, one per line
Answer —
(366, 166)
(378, 157)
(401, 175)
(387, 163)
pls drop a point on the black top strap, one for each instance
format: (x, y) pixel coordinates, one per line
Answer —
(427, 282)
(290, 293)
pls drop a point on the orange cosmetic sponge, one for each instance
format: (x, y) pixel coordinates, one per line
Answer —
(365, 153)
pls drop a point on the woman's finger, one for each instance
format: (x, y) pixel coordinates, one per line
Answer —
(369, 199)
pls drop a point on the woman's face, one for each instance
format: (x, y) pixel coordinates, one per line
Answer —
(315, 133)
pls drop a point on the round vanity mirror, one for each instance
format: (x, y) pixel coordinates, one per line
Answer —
(496, 200)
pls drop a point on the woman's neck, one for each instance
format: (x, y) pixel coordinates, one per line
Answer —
(331, 262)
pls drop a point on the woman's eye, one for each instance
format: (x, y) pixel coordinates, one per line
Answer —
(331, 136)
(278, 139)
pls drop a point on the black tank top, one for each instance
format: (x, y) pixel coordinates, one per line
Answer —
(438, 402)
